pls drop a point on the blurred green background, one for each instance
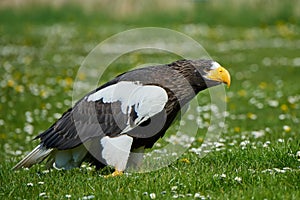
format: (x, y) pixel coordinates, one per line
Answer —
(43, 43)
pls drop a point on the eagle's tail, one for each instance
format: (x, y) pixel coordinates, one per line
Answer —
(37, 155)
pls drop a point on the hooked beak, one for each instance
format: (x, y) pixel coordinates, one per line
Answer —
(219, 74)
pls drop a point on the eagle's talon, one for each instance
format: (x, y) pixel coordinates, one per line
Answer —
(114, 174)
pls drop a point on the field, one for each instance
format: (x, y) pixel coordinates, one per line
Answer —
(257, 155)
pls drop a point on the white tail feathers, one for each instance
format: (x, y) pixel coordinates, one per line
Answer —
(37, 155)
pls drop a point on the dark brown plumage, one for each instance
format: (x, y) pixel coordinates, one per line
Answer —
(100, 113)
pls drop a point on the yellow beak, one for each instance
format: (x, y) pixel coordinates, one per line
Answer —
(220, 74)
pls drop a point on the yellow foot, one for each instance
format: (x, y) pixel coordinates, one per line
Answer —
(115, 173)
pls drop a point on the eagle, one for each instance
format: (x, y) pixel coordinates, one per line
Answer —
(127, 114)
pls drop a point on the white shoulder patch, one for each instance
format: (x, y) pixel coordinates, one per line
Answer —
(116, 92)
(147, 100)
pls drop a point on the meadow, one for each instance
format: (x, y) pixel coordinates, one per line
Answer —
(257, 155)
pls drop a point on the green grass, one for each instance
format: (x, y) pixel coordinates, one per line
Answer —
(41, 50)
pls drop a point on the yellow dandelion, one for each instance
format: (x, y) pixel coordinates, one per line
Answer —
(200, 139)
(284, 29)
(10, 83)
(262, 85)
(19, 88)
(242, 93)
(237, 129)
(43, 93)
(81, 76)
(286, 128)
(3, 136)
(284, 107)
(227, 99)
(43, 106)
(251, 116)
(185, 160)
(69, 81)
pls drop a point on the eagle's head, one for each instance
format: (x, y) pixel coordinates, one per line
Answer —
(212, 72)
(202, 73)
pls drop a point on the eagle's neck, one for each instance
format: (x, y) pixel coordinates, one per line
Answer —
(192, 77)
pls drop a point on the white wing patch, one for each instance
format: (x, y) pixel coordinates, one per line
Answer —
(146, 100)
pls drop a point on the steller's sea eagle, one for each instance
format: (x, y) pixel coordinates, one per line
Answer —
(130, 112)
